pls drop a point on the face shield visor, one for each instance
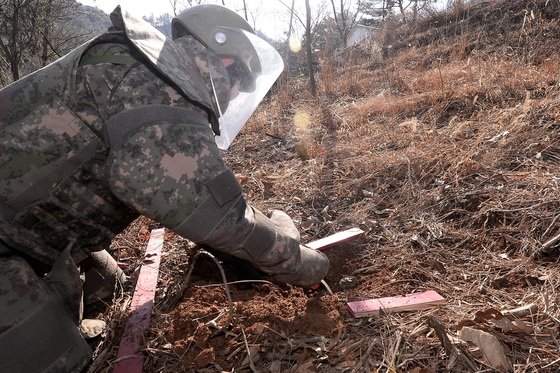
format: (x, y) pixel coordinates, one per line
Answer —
(251, 74)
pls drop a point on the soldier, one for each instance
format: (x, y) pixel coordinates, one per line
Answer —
(129, 123)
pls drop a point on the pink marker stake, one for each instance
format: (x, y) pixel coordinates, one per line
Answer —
(335, 239)
(130, 358)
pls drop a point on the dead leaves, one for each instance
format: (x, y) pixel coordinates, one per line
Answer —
(487, 336)
(503, 322)
(492, 350)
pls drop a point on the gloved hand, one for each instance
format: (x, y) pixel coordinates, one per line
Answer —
(309, 270)
(270, 244)
(285, 224)
(310, 266)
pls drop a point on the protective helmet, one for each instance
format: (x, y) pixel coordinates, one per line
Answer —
(256, 64)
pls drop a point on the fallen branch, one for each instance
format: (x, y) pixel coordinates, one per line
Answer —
(548, 246)
(449, 347)
(251, 364)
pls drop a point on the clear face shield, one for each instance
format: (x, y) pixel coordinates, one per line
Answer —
(250, 81)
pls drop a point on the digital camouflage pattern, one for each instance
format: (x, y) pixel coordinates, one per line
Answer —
(61, 181)
(307, 266)
(36, 314)
(270, 244)
(174, 63)
(162, 169)
(210, 68)
(20, 289)
(50, 138)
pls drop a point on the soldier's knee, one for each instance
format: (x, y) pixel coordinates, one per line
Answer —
(103, 278)
(36, 332)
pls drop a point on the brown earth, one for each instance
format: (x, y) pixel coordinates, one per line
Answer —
(441, 141)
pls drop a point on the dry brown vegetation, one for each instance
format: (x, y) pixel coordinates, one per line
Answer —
(444, 148)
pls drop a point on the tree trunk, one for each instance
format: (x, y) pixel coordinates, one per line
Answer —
(383, 10)
(288, 50)
(401, 7)
(14, 53)
(343, 15)
(46, 35)
(245, 10)
(312, 85)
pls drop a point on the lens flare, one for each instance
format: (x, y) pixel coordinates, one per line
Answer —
(295, 44)
(302, 120)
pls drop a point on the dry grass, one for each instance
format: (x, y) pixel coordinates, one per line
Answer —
(451, 166)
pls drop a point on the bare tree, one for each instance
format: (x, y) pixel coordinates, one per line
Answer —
(377, 9)
(57, 35)
(344, 17)
(17, 36)
(381, 9)
(290, 25)
(316, 17)
(253, 12)
(291, 19)
(161, 23)
(46, 27)
(173, 4)
(245, 10)
(35, 32)
(417, 5)
(309, 25)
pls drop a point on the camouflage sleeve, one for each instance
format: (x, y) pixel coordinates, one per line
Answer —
(163, 169)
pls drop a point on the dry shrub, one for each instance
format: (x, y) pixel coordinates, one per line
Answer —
(327, 80)
(550, 68)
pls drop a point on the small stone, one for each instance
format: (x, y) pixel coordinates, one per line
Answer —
(205, 358)
(91, 328)
(348, 282)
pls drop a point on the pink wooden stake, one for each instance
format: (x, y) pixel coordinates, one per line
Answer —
(409, 302)
(129, 360)
(335, 239)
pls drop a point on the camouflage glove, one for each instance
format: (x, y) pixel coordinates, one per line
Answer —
(285, 224)
(308, 266)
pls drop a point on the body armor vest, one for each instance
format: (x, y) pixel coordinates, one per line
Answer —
(53, 192)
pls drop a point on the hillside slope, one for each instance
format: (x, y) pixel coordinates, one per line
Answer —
(441, 141)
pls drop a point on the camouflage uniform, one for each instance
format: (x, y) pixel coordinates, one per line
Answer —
(123, 125)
